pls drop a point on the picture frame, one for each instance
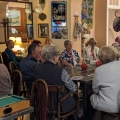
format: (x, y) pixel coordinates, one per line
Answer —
(59, 33)
(29, 30)
(43, 30)
(59, 13)
(14, 17)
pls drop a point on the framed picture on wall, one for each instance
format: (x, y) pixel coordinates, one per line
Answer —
(14, 17)
(59, 32)
(43, 30)
(59, 13)
(29, 30)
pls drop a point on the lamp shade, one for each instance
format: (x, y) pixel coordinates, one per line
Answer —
(18, 41)
(12, 38)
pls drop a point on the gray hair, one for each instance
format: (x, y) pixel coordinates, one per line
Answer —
(107, 54)
(32, 48)
(8, 42)
(49, 52)
(66, 42)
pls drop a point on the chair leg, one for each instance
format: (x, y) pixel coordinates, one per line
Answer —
(102, 115)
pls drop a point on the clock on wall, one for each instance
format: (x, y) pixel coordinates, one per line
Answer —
(42, 1)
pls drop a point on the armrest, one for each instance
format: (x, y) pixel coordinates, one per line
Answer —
(70, 93)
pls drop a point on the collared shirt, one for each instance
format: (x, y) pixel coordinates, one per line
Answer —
(66, 56)
(70, 85)
(26, 67)
(88, 55)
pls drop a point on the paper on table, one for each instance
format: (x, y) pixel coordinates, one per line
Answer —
(77, 78)
(90, 75)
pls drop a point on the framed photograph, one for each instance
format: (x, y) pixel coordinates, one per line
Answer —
(59, 32)
(29, 30)
(14, 17)
(59, 13)
(43, 30)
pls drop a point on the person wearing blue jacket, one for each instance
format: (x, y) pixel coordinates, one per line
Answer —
(12, 56)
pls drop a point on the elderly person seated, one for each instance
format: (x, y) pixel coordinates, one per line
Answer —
(5, 81)
(106, 84)
(48, 41)
(90, 52)
(69, 56)
(55, 75)
(8, 50)
(28, 63)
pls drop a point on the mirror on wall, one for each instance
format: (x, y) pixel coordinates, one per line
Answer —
(15, 21)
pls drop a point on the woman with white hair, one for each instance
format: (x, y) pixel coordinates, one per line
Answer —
(55, 75)
(106, 84)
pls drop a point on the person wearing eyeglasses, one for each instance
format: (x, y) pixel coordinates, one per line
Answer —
(90, 53)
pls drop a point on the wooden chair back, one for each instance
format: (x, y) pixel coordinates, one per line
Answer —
(27, 87)
(39, 100)
(16, 78)
(56, 89)
(12, 67)
(6, 60)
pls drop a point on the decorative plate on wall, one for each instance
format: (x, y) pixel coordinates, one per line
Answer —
(42, 16)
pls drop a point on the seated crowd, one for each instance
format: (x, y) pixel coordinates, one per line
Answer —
(40, 63)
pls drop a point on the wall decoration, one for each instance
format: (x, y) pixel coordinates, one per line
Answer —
(15, 17)
(87, 12)
(29, 30)
(58, 13)
(43, 30)
(59, 32)
(41, 1)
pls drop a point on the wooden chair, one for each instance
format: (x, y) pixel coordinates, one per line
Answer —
(12, 67)
(52, 89)
(39, 100)
(16, 78)
(27, 87)
(6, 60)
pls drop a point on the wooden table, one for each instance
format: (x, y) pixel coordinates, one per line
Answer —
(85, 77)
(12, 106)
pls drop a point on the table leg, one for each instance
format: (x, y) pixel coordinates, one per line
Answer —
(85, 98)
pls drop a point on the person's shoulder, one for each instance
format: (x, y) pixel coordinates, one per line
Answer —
(38, 66)
(75, 51)
(64, 51)
(2, 66)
